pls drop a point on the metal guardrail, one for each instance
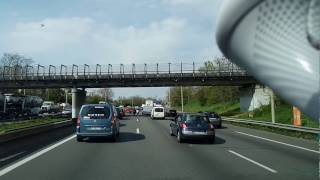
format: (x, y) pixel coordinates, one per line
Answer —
(274, 125)
(64, 72)
(23, 132)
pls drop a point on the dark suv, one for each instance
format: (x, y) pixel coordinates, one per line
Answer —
(192, 126)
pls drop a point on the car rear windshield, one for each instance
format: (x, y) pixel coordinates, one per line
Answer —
(158, 109)
(196, 119)
(95, 112)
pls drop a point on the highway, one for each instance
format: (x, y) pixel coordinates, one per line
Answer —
(145, 150)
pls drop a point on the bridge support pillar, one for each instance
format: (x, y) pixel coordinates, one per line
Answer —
(253, 97)
(78, 99)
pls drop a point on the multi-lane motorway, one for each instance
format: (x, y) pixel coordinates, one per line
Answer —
(145, 150)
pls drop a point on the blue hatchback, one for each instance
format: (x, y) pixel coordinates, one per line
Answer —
(98, 120)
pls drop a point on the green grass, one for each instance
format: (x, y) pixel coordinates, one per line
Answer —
(12, 126)
(283, 115)
(225, 109)
(283, 112)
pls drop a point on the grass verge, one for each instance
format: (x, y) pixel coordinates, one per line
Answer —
(292, 133)
(12, 126)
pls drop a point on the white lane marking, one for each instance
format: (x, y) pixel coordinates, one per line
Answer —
(137, 120)
(11, 156)
(138, 131)
(254, 162)
(33, 156)
(274, 141)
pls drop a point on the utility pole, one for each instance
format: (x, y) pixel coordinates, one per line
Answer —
(181, 98)
(170, 97)
(272, 106)
(66, 92)
(105, 95)
(132, 101)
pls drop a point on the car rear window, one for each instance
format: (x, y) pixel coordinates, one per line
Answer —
(158, 109)
(95, 112)
(196, 119)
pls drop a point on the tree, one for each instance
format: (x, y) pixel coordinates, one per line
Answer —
(17, 63)
(106, 93)
(14, 59)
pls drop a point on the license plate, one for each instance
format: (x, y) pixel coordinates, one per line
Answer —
(199, 133)
(95, 128)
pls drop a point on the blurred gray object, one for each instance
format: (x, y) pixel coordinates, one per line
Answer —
(277, 41)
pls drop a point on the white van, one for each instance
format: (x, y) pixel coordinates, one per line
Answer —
(157, 113)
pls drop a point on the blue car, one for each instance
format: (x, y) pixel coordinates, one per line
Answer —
(98, 120)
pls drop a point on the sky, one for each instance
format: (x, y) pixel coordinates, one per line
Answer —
(110, 32)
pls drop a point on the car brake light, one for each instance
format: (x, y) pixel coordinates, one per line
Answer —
(113, 120)
(183, 125)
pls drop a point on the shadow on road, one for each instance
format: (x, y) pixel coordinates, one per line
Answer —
(218, 140)
(223, 127)
(123, 137)
(121, 124)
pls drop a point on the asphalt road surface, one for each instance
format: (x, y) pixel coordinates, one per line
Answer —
(145, 150)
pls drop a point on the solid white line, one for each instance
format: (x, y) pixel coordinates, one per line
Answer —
(138, 131)
(137, 120)
(33, 156)
(286, 144)
(11, 156)
(254, 162)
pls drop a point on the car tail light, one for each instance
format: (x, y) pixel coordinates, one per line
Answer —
(113, 120)
(78, 122)
(183, 125)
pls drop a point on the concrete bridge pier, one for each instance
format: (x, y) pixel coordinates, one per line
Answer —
(253, 97)
(78, 99)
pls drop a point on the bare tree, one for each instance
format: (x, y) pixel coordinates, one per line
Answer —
(14, 59)
(106, 93)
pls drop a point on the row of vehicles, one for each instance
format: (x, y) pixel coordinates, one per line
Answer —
(15, 106)
(12, 106)
(102, 120)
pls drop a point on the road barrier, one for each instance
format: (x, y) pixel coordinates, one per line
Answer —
(19, 133)
(274, 125)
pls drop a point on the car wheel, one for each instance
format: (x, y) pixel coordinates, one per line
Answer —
(114, 138)
(179, 139)
(171, 133)
(212, 140)
(79, 139)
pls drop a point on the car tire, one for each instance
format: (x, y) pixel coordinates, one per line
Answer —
(179, 138)
(171, 133)
(79, 139)
(212, 140)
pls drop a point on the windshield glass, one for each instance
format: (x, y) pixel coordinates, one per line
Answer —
(158, 109)
(196, 119)
(95, 112)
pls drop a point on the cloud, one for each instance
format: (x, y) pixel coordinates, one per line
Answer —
(83, 40)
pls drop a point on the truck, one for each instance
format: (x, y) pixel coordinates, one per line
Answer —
(32, 105)
(13, 106)
(49, 107)
(147, 107)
